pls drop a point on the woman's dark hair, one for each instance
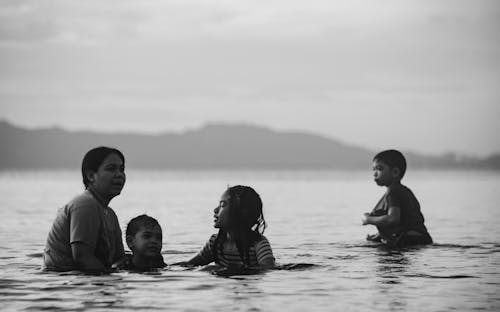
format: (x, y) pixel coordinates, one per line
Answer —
(94, 158)
(248, 220)
(138, 222)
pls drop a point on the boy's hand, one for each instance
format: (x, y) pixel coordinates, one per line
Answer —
(374, 238)
(364, 218)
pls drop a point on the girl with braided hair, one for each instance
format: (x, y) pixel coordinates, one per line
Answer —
(239, 242)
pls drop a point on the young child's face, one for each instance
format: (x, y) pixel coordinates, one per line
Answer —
(383, 174)
(221, 212)
(147, 242)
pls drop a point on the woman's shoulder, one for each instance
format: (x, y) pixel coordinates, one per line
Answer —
(83, 201)
(83, 197)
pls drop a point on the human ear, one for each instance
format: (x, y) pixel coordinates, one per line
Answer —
(396, 172)
(130, 241)
(90, 176)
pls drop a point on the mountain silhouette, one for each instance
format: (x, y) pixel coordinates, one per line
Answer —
(214, 146)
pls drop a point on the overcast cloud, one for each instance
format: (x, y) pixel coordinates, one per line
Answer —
(411, 74)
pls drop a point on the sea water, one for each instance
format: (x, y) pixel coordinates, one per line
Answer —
(314, 226)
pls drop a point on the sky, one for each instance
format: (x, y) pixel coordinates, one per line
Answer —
(419, 75)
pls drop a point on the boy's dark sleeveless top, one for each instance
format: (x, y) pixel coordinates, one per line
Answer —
(129, 265)
(411, 217)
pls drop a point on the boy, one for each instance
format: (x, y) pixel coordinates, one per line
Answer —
(397, 215)
(144, 238)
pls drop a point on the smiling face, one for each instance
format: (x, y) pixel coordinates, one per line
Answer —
(383, 174)
(109, 179)
(146, 243)
(221, 212)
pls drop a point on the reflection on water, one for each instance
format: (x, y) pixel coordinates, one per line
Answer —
(391, 265)
(364, 277)
(324, 262)
(390, 269)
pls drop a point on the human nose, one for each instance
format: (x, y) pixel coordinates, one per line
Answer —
(120, 174)
(153, 239)
(216, 210)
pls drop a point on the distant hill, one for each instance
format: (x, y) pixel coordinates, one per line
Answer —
(217, 146)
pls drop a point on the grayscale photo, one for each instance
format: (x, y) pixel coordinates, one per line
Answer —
(243, 155)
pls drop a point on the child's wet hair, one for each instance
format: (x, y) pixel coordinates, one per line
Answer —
(246, 208)
(246, 213)
(139, 222)
(394, 159)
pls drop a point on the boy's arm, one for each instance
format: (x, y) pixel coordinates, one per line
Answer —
(390, 219)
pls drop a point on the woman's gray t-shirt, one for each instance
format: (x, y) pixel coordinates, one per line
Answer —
(83, 220)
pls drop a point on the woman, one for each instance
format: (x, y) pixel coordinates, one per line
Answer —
(86, 235)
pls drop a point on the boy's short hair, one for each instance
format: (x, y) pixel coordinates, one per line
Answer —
(138, 222)
(393, 159)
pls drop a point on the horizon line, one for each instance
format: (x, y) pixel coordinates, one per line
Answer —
(236, 124)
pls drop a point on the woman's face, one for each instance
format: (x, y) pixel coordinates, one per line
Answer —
(222, 218)
(109, 179)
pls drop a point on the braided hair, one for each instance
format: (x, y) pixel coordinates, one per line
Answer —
(247, 218)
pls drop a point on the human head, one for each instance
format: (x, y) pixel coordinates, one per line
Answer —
(394, 159)
(144, 236)
(243, 210)
(388, 167)
(94, 158)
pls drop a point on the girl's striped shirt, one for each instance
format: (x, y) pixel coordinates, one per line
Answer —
(260, 251)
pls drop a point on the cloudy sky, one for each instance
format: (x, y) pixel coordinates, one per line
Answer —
(420, 75)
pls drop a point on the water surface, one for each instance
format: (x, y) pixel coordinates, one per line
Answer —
(314, 229)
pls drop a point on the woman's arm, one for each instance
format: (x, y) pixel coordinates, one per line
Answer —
(120, 250)
(83, 255)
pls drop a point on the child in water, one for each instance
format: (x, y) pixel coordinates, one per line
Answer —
(239, 242)
(144, 238)
(397, 215)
